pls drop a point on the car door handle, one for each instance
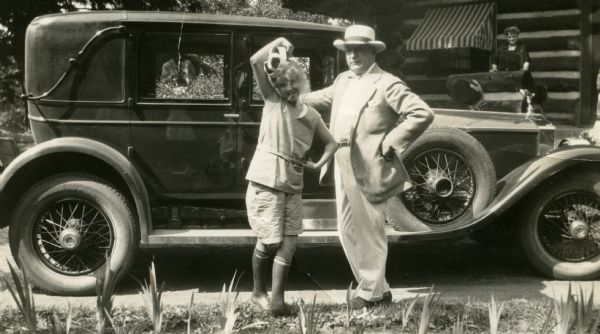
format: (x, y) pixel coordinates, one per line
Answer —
(236, 116)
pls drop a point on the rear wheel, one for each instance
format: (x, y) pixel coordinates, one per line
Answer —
(560, 229)
(453, 178)
(65, 226)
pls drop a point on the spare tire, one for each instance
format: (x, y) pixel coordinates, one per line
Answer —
(453, 177)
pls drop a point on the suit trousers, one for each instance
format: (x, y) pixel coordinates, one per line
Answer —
(361, 231)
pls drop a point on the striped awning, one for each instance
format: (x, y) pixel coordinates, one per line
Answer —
(461, 26)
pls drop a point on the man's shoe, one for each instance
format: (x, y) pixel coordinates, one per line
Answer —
(386, 300)
(359, 303)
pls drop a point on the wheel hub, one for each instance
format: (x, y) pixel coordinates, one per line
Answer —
(444, 186)
(73, 236)
(579, 229)
(440, 183)
(70, 238)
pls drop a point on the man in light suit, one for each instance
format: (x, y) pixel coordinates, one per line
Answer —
(374, 117)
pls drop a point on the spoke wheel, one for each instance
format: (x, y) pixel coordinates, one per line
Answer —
(443, 189)
(73, 237)
(453, 179)
(559, 228)
(63, 229)
(569, 227)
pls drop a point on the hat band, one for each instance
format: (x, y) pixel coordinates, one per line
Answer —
(358, 39)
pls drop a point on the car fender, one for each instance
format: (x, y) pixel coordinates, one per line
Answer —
(518, 183)
(95, 149)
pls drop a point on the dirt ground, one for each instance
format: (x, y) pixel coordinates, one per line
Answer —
(462, 271)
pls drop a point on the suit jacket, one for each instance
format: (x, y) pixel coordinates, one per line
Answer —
(390, 115)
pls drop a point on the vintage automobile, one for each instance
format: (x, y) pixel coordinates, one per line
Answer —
(145, 122)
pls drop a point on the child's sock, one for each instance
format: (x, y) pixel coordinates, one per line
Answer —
(260, 261)
(281, 269)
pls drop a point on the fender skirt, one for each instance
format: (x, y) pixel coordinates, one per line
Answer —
(91, 148)
(514, 186)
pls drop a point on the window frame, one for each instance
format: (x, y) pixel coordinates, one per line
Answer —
(188, 28)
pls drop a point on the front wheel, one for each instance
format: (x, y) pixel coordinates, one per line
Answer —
(559, 230)
(65, 226)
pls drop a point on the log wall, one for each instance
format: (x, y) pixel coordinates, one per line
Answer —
(552, 30)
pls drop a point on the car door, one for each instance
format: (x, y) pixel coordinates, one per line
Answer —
(184, 126)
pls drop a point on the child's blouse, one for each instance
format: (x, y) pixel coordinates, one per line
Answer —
(285, 135)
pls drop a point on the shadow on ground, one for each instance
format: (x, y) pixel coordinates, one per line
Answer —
(326, 268)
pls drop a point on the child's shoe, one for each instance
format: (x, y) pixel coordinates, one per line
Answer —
(282, 310)
(261, 300)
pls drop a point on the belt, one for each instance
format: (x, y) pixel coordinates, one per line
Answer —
(295, 162)
(344, 143)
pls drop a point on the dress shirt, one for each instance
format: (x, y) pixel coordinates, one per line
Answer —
(347, 117)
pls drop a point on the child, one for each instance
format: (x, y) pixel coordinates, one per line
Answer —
(273, 199)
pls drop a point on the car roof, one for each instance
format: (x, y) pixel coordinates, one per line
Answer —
(179, 17)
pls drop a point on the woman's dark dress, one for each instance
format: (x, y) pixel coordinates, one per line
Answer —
(511, 60)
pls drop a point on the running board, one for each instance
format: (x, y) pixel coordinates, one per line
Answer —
(198, 237)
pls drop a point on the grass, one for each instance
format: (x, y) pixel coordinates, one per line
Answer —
(573, 312)
(3, 236)
(349, 296)
(105, 289)
(190, 312)
(152, 294)
(228, 311)
(58, 326)
(494, 312)
(428, 310)
(308, 317)
(23, 298)
(407, 311)
(518, 316)
(4, 275)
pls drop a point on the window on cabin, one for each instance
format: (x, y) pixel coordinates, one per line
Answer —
(458, 60)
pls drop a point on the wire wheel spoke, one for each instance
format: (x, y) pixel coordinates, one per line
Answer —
(73, 237)
(444, 186)
(554, 227)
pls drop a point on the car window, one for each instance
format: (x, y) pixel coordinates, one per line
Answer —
(315, 55)
(101, 77)
(186, 66)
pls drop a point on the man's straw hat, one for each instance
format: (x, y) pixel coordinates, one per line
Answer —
(359, 35)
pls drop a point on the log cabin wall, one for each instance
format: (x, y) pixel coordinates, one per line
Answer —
(553, 32)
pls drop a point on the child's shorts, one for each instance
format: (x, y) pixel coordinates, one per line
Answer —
(272, 213)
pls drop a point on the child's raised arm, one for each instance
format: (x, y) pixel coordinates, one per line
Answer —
(330, 146)
(257, 62)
